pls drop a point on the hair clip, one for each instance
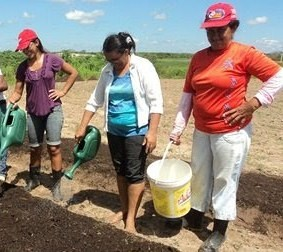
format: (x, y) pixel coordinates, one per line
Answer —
(128, 40)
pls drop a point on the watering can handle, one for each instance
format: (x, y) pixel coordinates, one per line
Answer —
(4, 128)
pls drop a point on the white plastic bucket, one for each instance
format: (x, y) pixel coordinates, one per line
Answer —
(170, 185)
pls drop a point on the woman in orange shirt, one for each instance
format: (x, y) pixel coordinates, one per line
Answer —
(215, 90)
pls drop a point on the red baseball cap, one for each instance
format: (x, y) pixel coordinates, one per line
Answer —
(218, 15)
(24, 38)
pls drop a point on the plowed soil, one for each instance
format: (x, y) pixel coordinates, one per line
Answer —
(33, 222)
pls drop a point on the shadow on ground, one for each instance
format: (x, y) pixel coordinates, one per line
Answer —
(255, 191)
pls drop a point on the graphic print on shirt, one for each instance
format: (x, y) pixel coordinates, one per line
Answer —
(229, 65)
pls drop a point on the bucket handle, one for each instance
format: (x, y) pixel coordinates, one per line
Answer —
(163, 158)
(4, 124)
(165, 153)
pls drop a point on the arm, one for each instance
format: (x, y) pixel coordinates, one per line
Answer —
(80, 133)
(152, 86)
(151, 136)
(270, 88)
(18, 92)
(73, 74)
(95, 101)
(155, 101)
(264, 97)
(182, 117)
(3, 83)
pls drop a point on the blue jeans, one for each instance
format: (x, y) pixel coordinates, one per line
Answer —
(51, 124)
(3, 161)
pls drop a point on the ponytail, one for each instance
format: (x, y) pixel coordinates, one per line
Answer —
(120, 42)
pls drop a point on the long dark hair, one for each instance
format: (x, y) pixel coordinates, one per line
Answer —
(40, 46)
(234, 24)
(119, 42)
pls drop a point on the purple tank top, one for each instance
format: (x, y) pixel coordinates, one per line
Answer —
(38, 84)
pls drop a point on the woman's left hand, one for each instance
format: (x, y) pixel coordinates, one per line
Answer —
(149, 142)
(240, 114)
(55, 94)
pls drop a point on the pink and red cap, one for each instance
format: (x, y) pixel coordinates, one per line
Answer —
(218, 15)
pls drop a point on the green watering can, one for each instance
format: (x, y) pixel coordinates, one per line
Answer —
(13, 128)
(85, 150)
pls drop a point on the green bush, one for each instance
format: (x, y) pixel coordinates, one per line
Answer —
(89, 65)
(172, 68)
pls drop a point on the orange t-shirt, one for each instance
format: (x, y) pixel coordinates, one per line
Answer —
(219, 79)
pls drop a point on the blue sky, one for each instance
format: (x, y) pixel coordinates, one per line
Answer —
(156, 25)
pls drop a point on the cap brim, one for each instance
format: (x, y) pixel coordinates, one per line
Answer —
(214, 24)
(22, 46)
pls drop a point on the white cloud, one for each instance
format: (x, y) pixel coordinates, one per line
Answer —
(258, 20)
(160, 29)
(159, 16)
(269, 45)
(27, 15)
(84, 17)
(268, 42)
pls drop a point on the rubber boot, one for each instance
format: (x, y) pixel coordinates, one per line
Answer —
(174, 223)
(34, 175)
(2, 183)
(56, 188)
(220, 226)
(194, 219)
(217, 237)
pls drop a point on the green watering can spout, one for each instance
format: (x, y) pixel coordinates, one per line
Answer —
(85, 150)
(13, 128)
(71, 171)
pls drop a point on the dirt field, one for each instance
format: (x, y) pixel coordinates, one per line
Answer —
(33, 222)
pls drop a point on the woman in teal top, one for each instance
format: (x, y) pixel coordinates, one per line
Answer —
(129, 89)
(122, 111)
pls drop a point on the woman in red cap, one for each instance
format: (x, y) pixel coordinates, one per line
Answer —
(43, 104)
(215, 90)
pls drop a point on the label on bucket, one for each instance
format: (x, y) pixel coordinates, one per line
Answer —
(173, 202)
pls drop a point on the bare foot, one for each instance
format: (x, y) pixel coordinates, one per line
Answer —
(131, 229)
(117, 217)
(130, 226)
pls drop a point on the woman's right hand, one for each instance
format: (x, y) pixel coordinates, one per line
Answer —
(80, 133)
(81, 130)
(14, 104)
(175, 137)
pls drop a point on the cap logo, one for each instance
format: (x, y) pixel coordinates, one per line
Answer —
(216, 14)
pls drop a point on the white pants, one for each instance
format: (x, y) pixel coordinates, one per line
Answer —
(217, 161)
